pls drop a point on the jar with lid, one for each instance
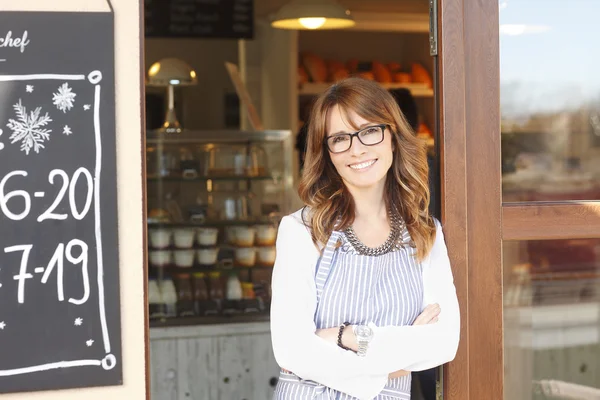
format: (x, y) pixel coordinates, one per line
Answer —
(200, 292)
(248, 290)
(169, 296)
(215, 285)
(185, 299)
(156, 305)
(256, 161)
(234, 287)
(188, 164)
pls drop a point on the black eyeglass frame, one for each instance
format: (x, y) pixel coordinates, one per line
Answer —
(353, 135)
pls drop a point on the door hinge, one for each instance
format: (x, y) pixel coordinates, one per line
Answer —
(433, 31)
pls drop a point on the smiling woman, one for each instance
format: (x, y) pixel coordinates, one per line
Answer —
(362, 289)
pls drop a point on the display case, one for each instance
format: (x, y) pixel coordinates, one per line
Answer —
(215, 199)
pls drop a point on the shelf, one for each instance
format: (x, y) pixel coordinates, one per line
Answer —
(212, 177)
(209, 268)
(210, 320)
(417, 89)
(215, 223)
(193, 136)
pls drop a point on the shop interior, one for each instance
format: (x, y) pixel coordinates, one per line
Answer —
(224, 110)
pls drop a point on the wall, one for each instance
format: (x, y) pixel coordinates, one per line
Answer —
(203, 104)
(129, 177)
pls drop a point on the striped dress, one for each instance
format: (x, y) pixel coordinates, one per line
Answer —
(384, 290)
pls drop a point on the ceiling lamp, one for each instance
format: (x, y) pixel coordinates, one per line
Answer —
(312, 14)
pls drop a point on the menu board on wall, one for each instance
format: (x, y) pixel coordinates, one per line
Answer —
(59, 277)
(224, 19)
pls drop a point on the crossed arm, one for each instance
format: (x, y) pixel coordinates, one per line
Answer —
(312, 355)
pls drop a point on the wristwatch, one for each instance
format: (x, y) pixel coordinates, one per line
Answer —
(363, 334)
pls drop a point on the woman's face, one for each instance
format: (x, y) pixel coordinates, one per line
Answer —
(361, 166)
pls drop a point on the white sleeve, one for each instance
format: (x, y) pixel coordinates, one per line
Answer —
(296, 346)
(416, 348)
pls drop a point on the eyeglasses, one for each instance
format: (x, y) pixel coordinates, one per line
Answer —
(369, 136)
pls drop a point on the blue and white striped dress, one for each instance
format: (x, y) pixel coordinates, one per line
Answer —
(384, 290)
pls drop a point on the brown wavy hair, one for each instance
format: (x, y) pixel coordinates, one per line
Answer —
(330, 204)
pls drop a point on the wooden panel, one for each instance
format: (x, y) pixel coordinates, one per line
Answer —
(450, 84)
(486, 372)
(163, 362)
(537, 221)
(198, 361)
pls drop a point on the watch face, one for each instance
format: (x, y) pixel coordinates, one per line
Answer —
(364, 332)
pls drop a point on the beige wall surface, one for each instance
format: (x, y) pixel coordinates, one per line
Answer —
(129, 177)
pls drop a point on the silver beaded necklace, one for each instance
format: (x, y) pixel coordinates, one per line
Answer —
(392, 243)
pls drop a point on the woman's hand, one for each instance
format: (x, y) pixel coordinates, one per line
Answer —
(429, 315)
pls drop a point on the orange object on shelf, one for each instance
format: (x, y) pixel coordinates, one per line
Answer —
(402, 77)
(302, 75)
(424, 130)
(381, 73)
(336, 70)
(315, 67)
(366, 75)
(394, 67)
(420, 75)
(340, 74)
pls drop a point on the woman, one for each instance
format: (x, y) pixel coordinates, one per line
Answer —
(362, 287)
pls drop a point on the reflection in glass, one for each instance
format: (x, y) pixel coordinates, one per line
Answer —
(550, 100)
(552, 319)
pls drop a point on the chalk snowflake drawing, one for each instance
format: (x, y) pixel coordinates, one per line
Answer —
(67, 130)
(29, 88)
(86, 107)
(89, 343)
(1, 147)
(64, 98)
(78, 321)
(2, 325)
(28, 128)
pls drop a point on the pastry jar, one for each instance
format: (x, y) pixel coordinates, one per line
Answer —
(266, 255)
(207, 256)
(184, 258)
(184, 238)
(244, 236)
(256, 161)
(265, 235)
(160, 238)
(160, 258)
(226, 160)
(245, 256)
(207, 236)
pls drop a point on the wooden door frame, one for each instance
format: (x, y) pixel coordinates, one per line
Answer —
(471, 201)
(474, 217)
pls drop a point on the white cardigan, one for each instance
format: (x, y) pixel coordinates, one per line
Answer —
(298, 349)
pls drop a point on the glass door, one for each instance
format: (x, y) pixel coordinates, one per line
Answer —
(520, 143)
(550, 147)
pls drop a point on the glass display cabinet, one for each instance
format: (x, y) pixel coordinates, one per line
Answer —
(215, 199)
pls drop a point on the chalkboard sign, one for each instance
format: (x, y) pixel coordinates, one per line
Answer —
(226, 19)
(59, 275)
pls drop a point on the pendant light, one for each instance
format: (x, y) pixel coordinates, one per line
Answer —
(311, 15)
(169, 73)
